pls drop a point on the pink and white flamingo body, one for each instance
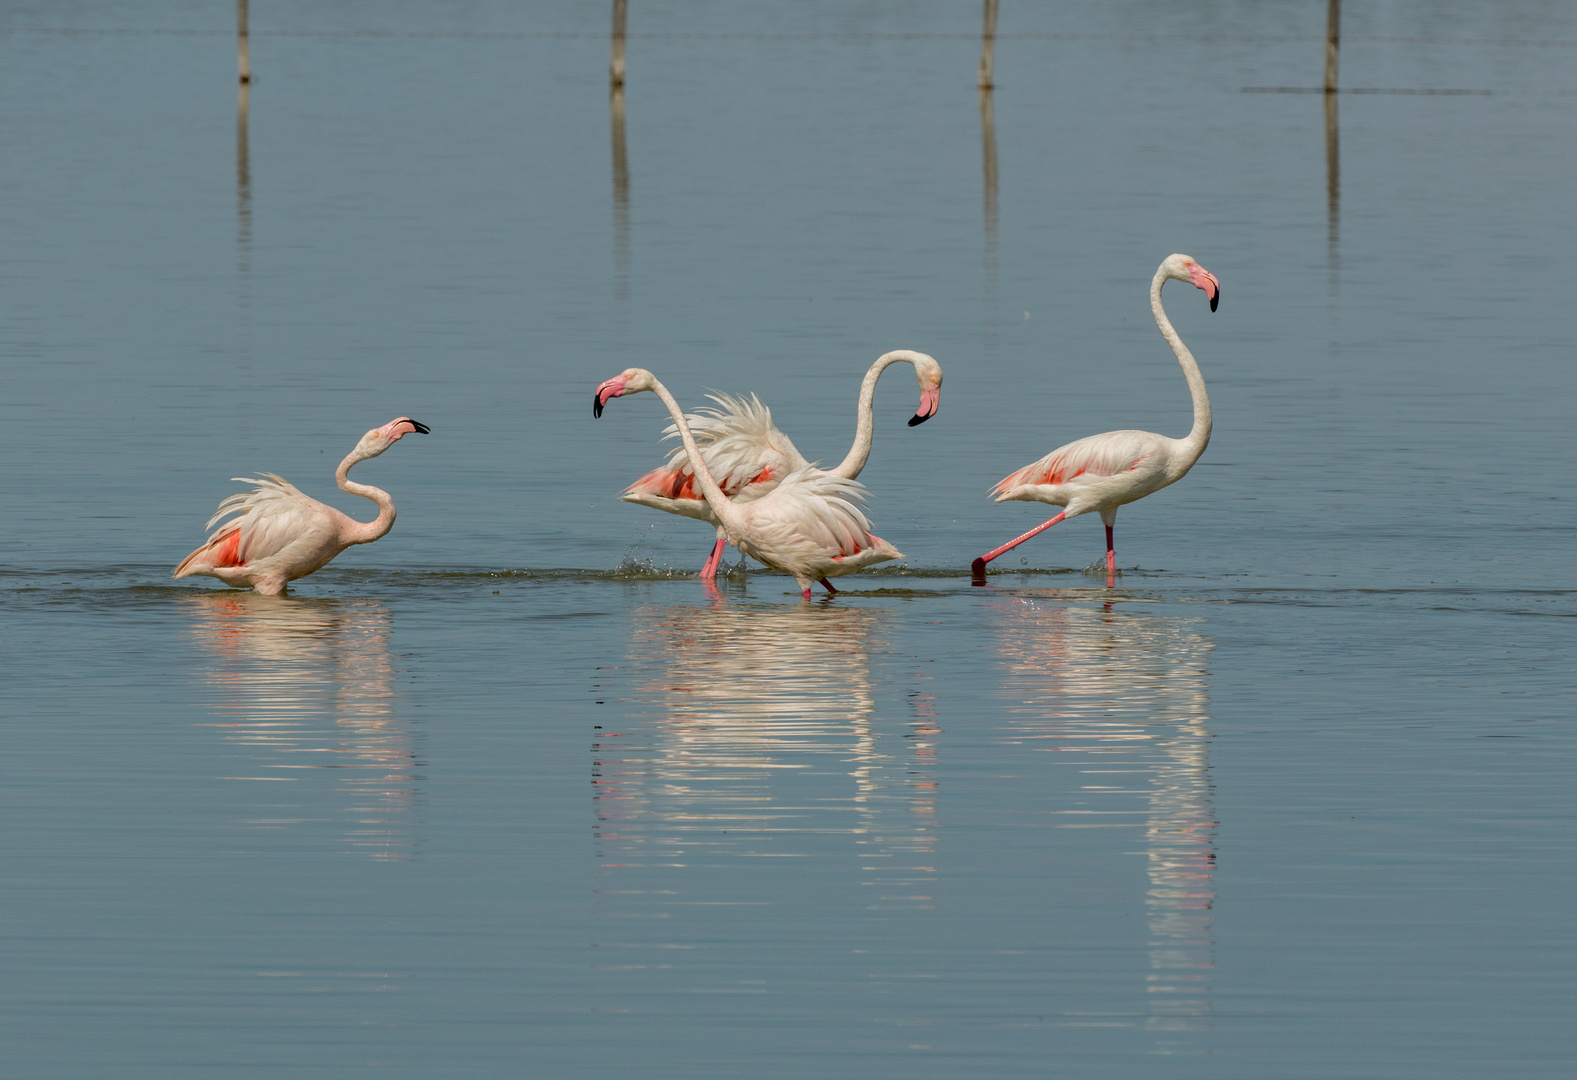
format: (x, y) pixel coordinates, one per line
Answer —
(280, 534)
(810, 524)
(749, 456)
(1103, 472)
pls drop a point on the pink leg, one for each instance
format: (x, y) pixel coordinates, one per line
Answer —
(827, 585)
(1111, 553)
(977, 569)
(709, 571)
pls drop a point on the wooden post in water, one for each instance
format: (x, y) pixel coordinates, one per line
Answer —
(1333, 35)
(616, 57)
(242, 43)
(988, 45)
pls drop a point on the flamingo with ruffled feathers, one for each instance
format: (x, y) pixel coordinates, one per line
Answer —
(279, 534)
(749, 456)
(810, 524)
(1103, 472)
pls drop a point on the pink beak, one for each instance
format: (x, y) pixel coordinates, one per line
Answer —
(930, 401)
(611, 389)
(1204, 279)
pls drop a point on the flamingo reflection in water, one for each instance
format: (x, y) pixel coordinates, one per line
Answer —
(1117, 694)
(307, 685)
(752, 731)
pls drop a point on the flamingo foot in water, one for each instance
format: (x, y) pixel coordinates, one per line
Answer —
(977, 569)
(825, 584)
(709, 571)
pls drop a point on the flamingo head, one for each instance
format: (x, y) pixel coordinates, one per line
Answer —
(929, 373)
(1184, 268)
(380, 439)
(632, 381)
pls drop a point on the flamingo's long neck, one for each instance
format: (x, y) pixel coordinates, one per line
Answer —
(865, 428)
(721, 505)
(1199, 437)
(365, 532)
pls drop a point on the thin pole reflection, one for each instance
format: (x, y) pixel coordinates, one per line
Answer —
(988, 153)
(1121, 697)
(1333, 183)
(988, 156)
(243, 243)
(243, 180)
(621, 193)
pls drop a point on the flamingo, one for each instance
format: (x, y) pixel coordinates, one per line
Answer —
(749, 456)
(1102, 472)
(280, 534)
(810, 524)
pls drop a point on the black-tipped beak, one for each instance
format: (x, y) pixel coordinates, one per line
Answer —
(916, 420)
(596, 405)
(1215, 298)
(421, 428)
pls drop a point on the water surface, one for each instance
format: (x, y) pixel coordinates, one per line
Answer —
(509, 793)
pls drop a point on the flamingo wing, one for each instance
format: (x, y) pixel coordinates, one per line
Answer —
(267, 519)
(816, 510)
(739, 443)
(1084, 461)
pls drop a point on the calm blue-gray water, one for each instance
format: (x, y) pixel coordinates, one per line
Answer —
(508, 793)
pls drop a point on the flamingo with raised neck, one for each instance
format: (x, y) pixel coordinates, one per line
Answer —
(1103, 472)
(280, 534)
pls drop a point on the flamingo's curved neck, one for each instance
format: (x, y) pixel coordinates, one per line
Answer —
(721, 505)
(365, 532)
(1199, 437)
(865, 428)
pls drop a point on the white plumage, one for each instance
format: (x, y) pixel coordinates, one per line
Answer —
(268, 517)
(749, 456)
(740, 444)
(1104, 472)
(811, 525)
(275, 533)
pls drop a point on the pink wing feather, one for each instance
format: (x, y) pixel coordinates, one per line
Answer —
(1096, 457)
(270, 516)
(738, 441)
